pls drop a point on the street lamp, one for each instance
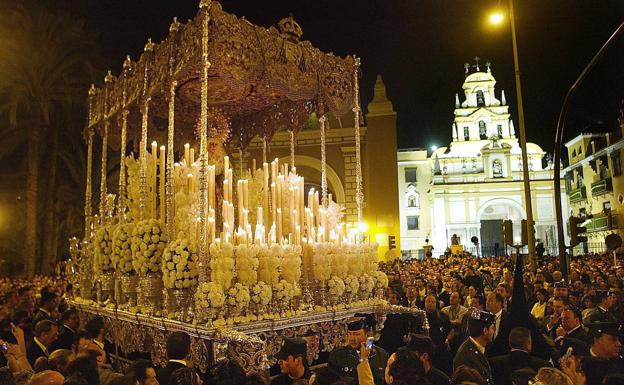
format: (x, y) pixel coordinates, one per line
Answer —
(497, 18)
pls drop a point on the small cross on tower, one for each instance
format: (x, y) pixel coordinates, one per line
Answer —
(476, 59)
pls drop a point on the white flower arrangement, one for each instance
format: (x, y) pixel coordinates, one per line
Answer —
(291, 263)
(367, 284)
(380, 278)
(247, 264)
(352, 258)
(222, 263)
(261, 294)
(321, 267)
(209, 295)
(103, 243)
(122, 248)
(180, 264)
(371, 260)
(336, 286)
(133, 186)
(352, 284)
(284, 291)
(238, 296)
(339, 264)
(269, 263)
(148, 244)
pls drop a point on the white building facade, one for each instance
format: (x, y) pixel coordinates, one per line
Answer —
(469, 187)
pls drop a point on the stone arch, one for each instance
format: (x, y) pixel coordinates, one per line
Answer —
(333, 180)
(503, 202)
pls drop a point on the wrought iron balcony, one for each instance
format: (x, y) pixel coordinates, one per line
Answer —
(577, 194)
(601, 222)
(602, 186)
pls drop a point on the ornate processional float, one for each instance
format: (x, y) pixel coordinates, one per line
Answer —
(196, 239)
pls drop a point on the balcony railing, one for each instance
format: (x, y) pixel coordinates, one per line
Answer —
(602, 186)
(602, 222)
(577, 194)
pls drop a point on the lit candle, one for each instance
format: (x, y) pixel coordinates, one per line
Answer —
(211, 187)
(259, 218)
(274, 202)
(279, 225)
(154, 182)
(192, 155)
(162, 183)
(265, 174)
(189, 184)
(226, 162)
(187, 155)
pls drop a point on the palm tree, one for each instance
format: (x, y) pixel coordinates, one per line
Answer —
(45, 69)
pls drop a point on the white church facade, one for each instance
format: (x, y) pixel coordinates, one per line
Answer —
(469, 187)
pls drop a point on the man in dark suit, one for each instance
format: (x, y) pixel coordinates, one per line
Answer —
(495, 303)
(47, 306)
(45, 333)
(70, 323)
(603, 311)
(423, 347)
(472, 352)
(178, 349)
(518, 358)
(571, 326)
(96, 331)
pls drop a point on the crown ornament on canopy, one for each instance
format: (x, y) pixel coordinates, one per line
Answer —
(289, 27)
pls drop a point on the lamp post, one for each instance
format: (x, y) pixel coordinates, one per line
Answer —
(496, 19)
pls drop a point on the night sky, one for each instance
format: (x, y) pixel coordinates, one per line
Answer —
(419, 47)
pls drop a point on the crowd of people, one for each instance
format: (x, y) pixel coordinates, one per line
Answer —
(489, 321)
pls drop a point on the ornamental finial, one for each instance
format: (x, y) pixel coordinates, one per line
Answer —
(92, 90)
(109, 77)
(127, 63)
(175, 25)
(149, 47)
(204, 4)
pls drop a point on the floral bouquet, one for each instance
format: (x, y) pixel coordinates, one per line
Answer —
(261, 295)
(237, 299)
(352, 286)
(283, 293)
(353, 261)
(269, 263)
(180, 264)
(381, 283)
(247, 264)
(336, 288)
(222, 264)
(381, 279)
(367, 284)
(148, 244)
(321, 267)
(291, 263)
(371, 260)
(103, 251)
(339, 265)
(209, 299)
(122, 248)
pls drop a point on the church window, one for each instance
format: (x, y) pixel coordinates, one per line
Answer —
(497, 169)
(499, 130)
(410, 175)
(482, 130)
(574, 153)
(466, 133)
(480, 99)
(412, 222)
